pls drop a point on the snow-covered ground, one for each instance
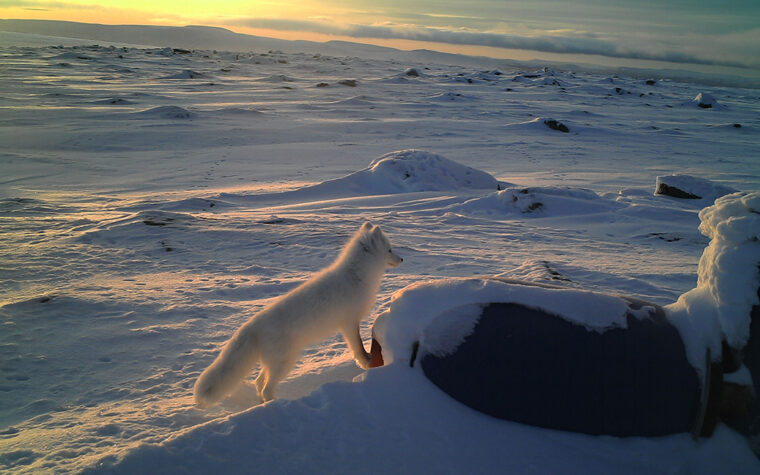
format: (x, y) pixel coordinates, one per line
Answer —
(152, 200)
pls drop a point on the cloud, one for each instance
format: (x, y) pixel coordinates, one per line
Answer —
(46, 5)
(548, 43)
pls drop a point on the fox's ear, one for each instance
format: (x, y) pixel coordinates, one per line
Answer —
(376, 231)
(366, 226)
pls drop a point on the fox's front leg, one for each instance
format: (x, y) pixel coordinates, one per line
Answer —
(354, 340)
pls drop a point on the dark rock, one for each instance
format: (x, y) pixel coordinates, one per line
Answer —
(150, 222)
(667, 190)
(555, 125)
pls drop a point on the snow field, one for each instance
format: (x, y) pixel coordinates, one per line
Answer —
(150, 202)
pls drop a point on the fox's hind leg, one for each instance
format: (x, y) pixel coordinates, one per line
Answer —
(276, 370)
(261, 380)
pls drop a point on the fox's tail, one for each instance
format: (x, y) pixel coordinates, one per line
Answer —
(237, 359)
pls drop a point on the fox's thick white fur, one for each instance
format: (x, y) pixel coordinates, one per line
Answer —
(335, 299)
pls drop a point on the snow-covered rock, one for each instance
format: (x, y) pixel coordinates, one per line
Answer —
(187, 74)
(167, 112)
(542, 124)
(690, 187)
(539, 202)
(704, 100)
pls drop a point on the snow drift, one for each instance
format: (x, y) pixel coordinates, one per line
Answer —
(404, 171)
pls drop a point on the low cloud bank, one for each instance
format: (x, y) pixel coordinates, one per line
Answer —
(546, 43)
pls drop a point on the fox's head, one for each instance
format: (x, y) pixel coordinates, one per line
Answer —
(377, 243)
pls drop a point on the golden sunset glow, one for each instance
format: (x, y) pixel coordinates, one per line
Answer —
(614, 33)
(169, 12)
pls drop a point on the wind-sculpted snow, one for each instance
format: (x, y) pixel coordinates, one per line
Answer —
(413, 427)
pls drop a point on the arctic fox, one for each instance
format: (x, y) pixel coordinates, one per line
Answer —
(336, 299)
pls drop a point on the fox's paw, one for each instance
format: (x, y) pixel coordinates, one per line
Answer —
(364, 361)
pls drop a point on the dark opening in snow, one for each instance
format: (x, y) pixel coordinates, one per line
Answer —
(532, 367)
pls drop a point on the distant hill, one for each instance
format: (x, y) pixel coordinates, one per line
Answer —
(198, 37)
(215, 38)
(204, 37)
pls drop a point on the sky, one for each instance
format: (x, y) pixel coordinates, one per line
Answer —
(720, 33)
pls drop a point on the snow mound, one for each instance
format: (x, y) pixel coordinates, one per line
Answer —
(541, 124)
(238, 111)
(539, 202)
(355, 101)
(140, 230)
(539, 270)
(488, 76)
(414, 308)
(413, 73)
(29, 207)
(276, 78)
(186, 205)
(116, 101)
(417, 170)
(689, 187)
(407, 171)
(167, 112)
(719, 308)
(451, 96)
(704, 100)
(187, 74)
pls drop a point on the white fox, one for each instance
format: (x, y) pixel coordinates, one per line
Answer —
(336, 299)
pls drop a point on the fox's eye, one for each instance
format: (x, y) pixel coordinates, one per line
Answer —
(390, 250)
